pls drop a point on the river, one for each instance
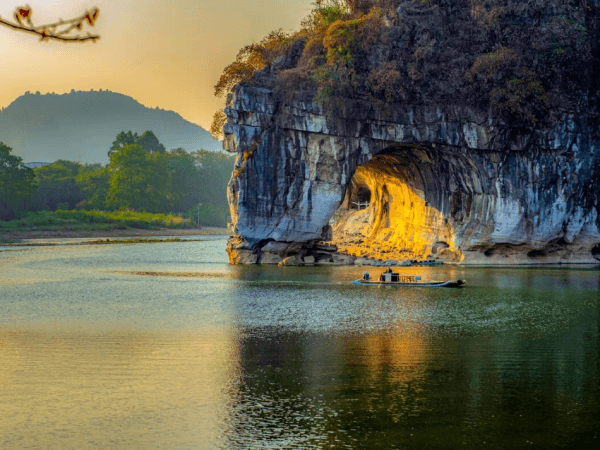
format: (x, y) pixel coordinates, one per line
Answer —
(143, 346)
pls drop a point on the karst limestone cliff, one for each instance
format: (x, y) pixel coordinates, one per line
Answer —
(444, 171)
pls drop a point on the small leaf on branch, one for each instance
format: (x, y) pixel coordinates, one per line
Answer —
(61, 30)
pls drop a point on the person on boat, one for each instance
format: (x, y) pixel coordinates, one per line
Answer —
(366, 276)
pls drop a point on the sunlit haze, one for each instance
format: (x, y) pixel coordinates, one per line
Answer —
(163, 54)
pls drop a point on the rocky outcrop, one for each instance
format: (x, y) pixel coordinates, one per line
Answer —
(454, 181)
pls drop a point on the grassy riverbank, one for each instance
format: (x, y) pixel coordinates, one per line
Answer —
(46, 242)
(91, 220)
(83, 224)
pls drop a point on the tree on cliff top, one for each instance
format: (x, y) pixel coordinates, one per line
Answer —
(254, 57)
(251, 58)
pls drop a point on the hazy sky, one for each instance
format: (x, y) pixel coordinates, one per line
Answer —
(165, 53)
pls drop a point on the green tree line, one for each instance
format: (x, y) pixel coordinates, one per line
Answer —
(141, 176)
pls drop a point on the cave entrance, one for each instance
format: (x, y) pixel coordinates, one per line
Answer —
(363, 198)
(358, 195)
(596, 252)
(393, 209)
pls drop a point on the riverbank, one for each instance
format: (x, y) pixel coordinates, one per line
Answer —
(39, 236)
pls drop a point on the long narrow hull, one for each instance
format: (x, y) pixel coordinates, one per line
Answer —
(444, 284)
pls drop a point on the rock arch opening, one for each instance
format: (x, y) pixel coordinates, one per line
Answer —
(358, 195)
(441, 181)
(407, 212)
(596, 252)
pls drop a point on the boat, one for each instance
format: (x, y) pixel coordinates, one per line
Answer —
(390, 278)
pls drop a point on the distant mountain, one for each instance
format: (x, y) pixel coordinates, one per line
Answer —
(81, 126)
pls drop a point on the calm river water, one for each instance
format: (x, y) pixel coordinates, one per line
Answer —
(166, 346)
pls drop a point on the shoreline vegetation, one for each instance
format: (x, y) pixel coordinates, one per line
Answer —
(81, 224)
(141, 176)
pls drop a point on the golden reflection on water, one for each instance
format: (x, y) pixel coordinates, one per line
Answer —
(249, 360)
(402, 353)
(73, 388)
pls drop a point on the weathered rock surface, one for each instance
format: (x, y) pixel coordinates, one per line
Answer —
(457, 182)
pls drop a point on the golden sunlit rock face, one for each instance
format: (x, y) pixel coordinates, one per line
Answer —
(398, 222)
(442, 182)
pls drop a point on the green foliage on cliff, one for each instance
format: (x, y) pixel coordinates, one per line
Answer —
(324, 14)
(251, 58)
(525, 97)
(521, 59)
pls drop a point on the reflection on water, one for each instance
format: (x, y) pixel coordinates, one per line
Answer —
(354, 395)
(166, 346)
(90, 389)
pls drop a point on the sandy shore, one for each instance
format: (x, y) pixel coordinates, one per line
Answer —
(130, 232)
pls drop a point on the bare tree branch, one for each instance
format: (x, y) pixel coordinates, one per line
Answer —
(63, 30)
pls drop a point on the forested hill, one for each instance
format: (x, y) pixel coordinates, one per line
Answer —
(81, 126)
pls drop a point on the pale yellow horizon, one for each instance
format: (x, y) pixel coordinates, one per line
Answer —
(166, 54)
